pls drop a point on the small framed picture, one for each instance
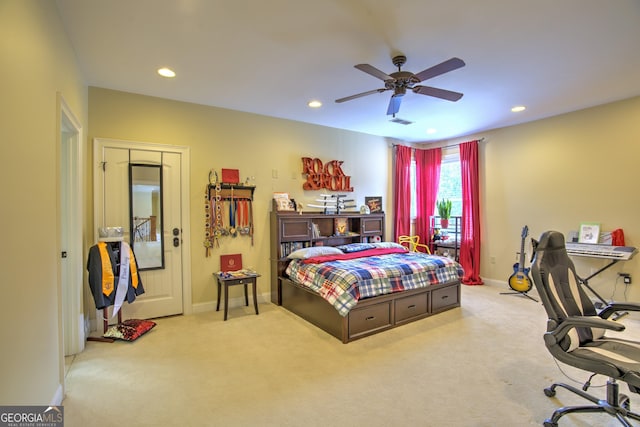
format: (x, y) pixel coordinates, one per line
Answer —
(374, 203)
(342, 227)
(283, 203)
(589, 232)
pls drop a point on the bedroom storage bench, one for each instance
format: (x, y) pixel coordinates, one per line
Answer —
(371, 315)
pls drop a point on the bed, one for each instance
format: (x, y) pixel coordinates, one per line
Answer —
(356, 290)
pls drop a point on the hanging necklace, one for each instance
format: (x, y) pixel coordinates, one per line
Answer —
(232, 216)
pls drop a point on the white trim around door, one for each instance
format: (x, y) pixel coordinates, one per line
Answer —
(99, 145)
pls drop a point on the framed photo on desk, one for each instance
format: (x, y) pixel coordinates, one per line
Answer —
(589, 232)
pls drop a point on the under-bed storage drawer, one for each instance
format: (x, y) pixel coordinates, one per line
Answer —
(410, 307)
(369, 319)
(444, 298)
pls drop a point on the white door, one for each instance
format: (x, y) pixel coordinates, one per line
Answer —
(165, 286)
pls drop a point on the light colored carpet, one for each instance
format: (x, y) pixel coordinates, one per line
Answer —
(483, 364)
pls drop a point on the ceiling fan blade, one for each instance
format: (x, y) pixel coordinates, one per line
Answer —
(443, 67)
(358, 95)
(370, 69)
(438, 93)
(394, 105)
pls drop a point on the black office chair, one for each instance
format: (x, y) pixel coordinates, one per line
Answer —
(575, 333)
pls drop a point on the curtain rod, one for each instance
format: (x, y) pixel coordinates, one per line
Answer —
(445, 146)
(458, 144)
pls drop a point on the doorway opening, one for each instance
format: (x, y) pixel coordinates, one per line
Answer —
(71, 260)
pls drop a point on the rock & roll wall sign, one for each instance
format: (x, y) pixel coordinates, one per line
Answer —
(328, 176)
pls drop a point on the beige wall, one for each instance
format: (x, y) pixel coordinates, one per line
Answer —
(556, 173)
(37, 61)
(257, 146)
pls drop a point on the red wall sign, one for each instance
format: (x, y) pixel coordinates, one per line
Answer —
(329, 175)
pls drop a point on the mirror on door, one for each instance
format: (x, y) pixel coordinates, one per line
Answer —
(145, 201)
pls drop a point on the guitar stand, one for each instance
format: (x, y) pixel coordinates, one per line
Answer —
(524, 294)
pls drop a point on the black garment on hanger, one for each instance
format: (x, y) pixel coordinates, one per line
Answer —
(94, 267)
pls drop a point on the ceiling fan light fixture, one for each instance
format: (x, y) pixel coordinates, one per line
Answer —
(166, 72)
(399, 81)
(518, 108)
(314, 103)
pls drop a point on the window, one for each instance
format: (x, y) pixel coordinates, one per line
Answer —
(450, 182)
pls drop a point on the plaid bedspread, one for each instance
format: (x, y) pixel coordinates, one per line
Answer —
(344, 283)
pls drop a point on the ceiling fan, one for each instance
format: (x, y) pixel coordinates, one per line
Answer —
(400, 81)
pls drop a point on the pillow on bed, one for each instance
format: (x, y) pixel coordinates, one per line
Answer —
(388, 245)
(314, 251)
(355, 247)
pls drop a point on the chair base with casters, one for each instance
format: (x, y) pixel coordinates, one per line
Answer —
(580, 336)
(616, 404)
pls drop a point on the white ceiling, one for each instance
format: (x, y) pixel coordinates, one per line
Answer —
(271, 57)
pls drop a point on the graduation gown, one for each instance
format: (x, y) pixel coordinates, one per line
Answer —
(103, 286)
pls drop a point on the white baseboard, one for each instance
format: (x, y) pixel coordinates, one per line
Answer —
(494, 282)
(57, 397)
(203, 307)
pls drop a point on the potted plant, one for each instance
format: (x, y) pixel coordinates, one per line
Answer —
(444, 210)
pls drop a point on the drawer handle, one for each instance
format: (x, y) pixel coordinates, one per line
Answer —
(412, 306)
(445, 296)
(370, 317)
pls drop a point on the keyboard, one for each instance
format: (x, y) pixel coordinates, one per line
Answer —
(623, 253)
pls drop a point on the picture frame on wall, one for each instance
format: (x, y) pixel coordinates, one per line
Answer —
(589, 232)
(374, 203)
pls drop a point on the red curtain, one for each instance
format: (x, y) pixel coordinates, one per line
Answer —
(470, 244)
(402, 191)
(427, 180)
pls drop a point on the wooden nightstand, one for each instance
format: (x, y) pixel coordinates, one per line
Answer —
(249, 279)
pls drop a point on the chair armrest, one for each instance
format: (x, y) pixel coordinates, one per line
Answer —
(579, 321)
(618, 306)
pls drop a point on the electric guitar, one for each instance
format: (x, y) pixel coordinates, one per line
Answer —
(520, 281)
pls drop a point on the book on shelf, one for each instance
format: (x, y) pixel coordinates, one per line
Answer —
(287, 247)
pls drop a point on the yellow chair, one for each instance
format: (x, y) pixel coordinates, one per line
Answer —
(413, 244)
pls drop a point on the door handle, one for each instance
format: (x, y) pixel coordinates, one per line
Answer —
(176, 242)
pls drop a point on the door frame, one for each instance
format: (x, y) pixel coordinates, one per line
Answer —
(70, 194)
(98, 210)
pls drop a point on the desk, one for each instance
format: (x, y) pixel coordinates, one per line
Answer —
(232, 281)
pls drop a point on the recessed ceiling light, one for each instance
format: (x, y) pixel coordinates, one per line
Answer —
(166, 72)
(314, 104)
(431, 130)
(518, 108)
